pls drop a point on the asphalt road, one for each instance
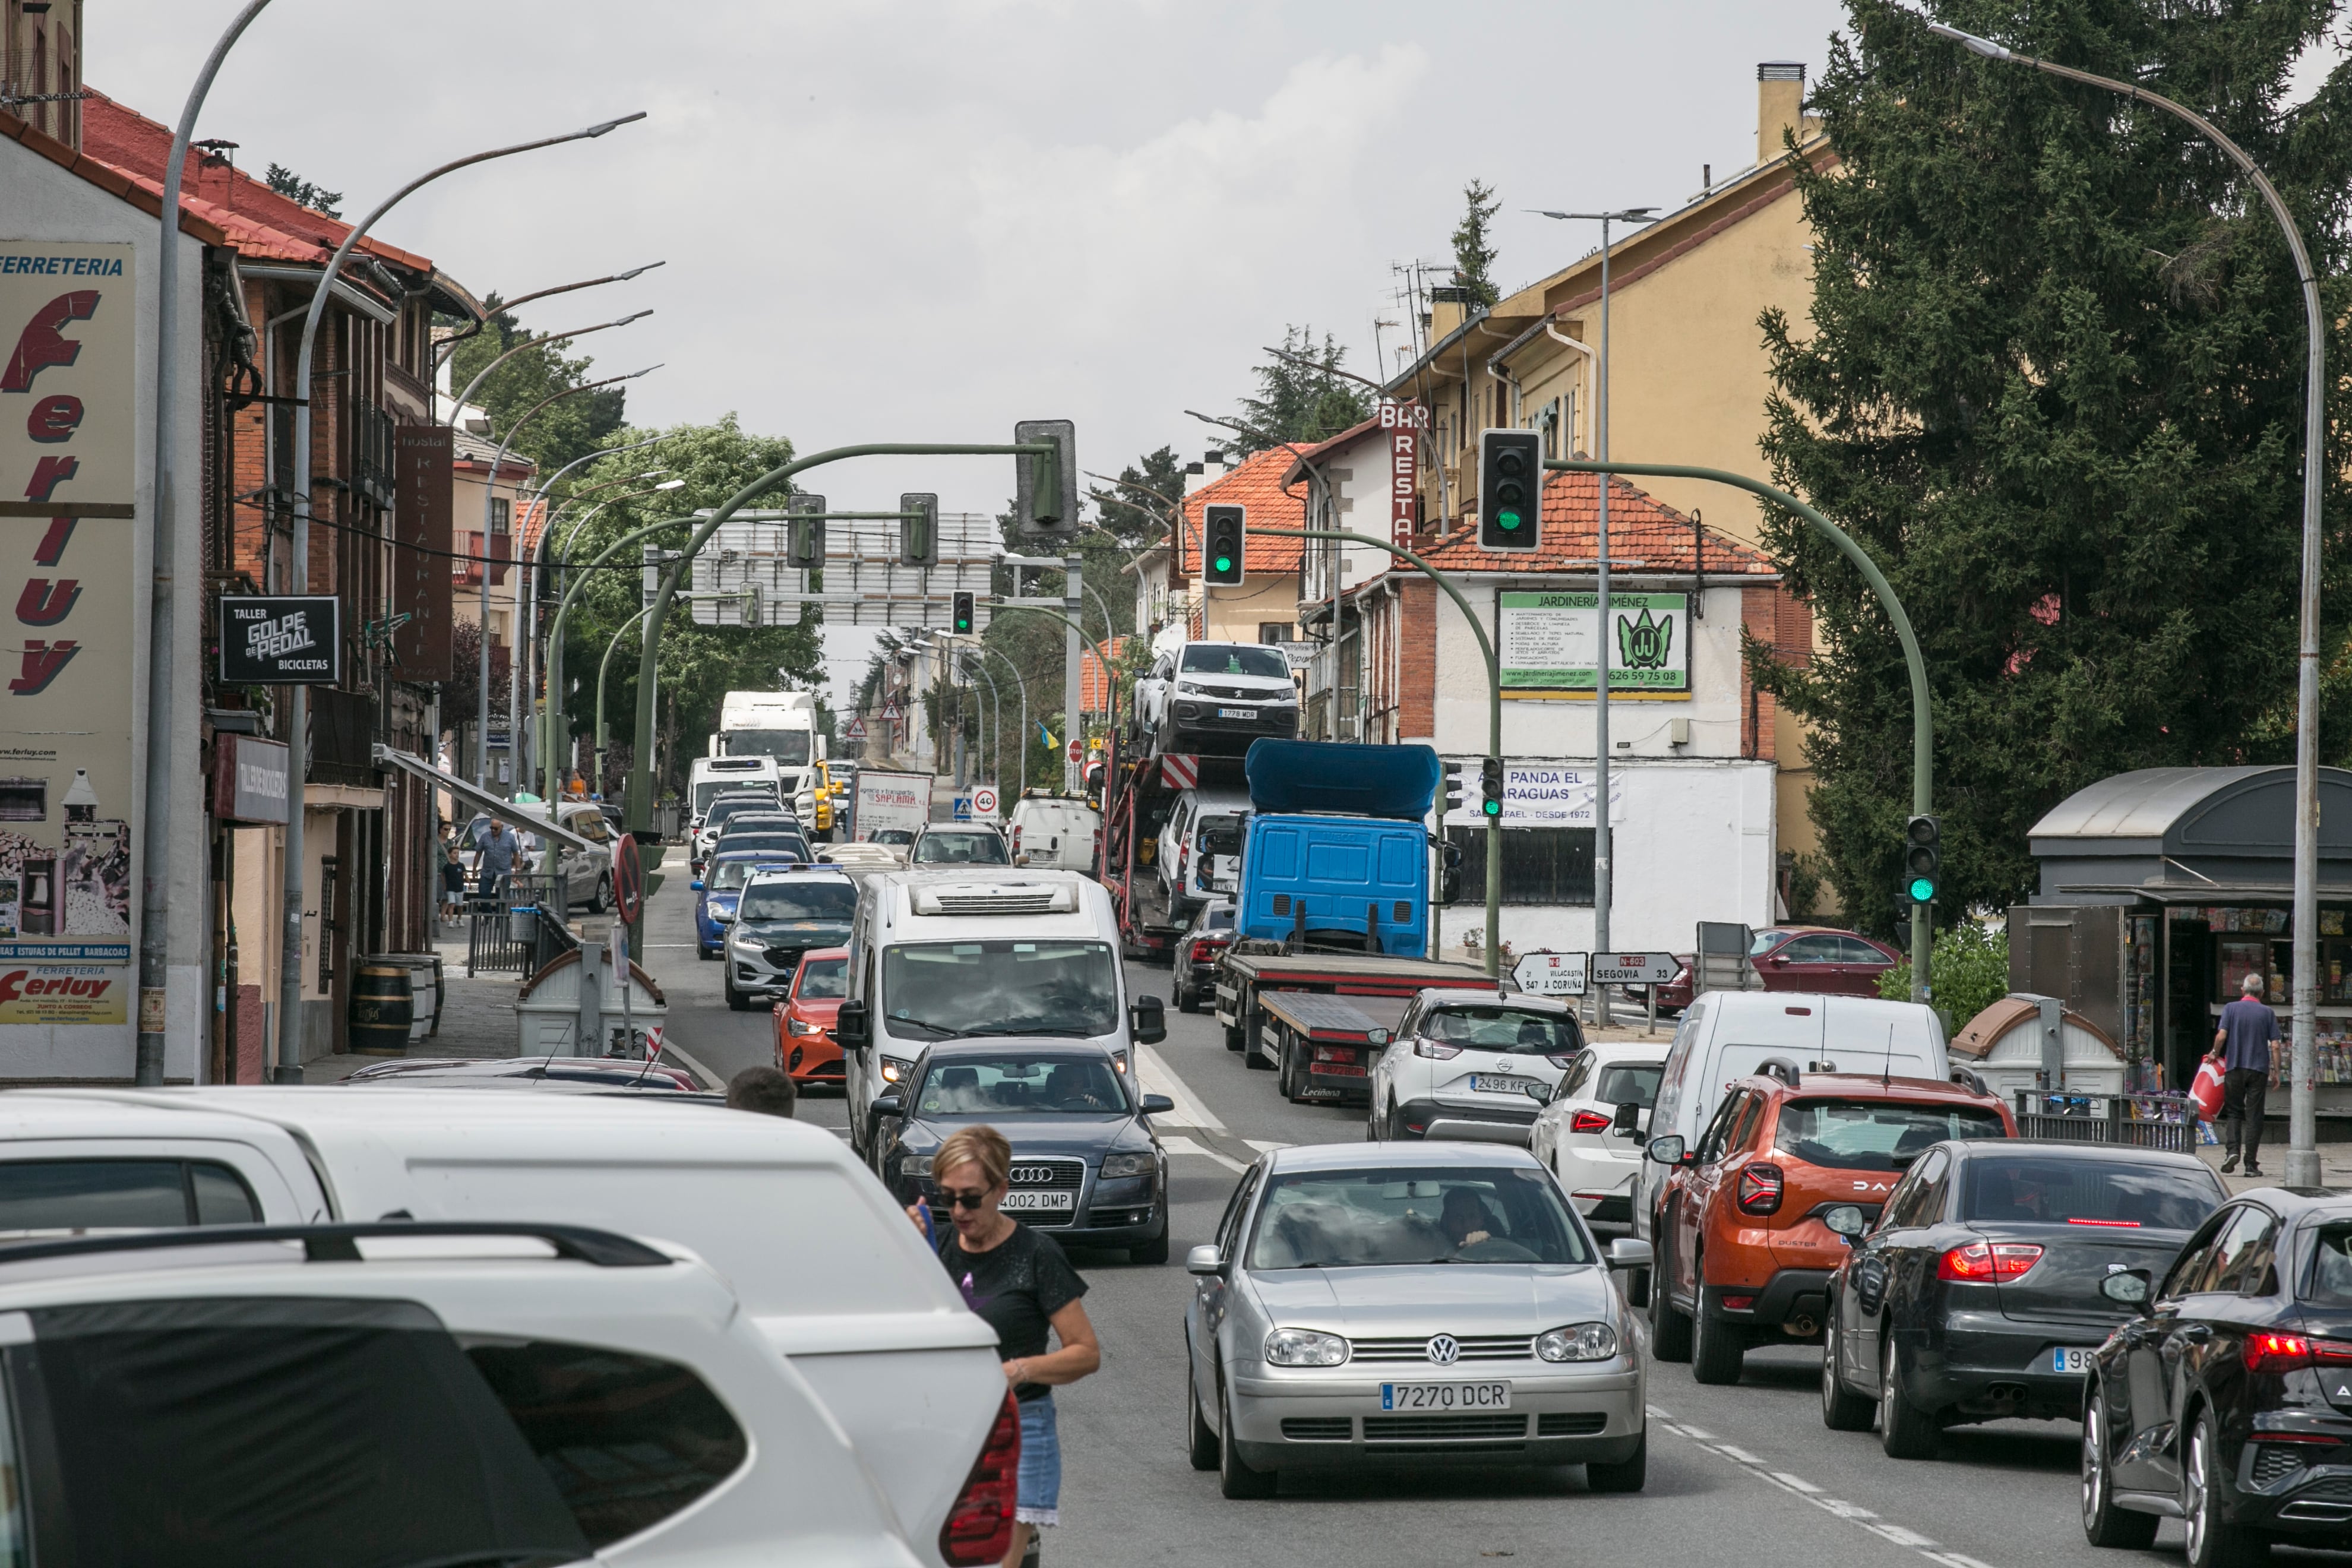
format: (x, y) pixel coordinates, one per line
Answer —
(1746, 1473)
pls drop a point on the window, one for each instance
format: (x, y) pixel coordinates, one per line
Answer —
(1354, 1219)
(2026, 1189)
(798, 899)
(501, 512)
(1711, 1143)
(1571, 1082)
(1913, 1200)
(1235, 658)
(1811, 950)
(1541, 865)
(1866, 1135)
(1229, 1227)
(980, 846)
(1746, 1130)
(122, 1195)
(2331, 1268)
(823, 979)
(1624, 1083)
(1499, 1028)
(2196, 1259)
(934, 990)
(2247, 1235)
(1021, 1086)
(1275, 632)
(1853, 950)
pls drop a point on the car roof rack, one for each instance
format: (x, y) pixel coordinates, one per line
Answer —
(339, 1243)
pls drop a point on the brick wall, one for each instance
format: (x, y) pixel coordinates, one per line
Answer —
(1764, 613)
(1417, 658)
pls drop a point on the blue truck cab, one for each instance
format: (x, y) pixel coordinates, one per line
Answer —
(1336, 855)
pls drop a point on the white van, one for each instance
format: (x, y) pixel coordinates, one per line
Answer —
(1728, 1034)
(1055, 831)
(823, 1259)
(709, 776)
(1192, 871)
(948, 952)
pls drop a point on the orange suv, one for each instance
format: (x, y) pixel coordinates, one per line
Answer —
(805, 1046)
(1743, 1257)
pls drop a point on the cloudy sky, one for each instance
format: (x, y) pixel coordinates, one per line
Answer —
(925, 219)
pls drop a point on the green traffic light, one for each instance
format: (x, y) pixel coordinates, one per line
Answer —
(1493, 807)
(1923, 890)
(1510, 520)
(1224, 563)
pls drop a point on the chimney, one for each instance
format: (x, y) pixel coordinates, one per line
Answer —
(1207, 471)
(1780, 107)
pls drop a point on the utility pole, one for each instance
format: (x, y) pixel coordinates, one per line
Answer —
(1073, 667)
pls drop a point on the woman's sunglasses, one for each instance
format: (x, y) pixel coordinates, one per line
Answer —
(963, 1200)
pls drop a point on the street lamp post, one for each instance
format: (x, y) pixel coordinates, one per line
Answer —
(995, 759)
(449, 345)
(604, 665)
(457, 404)
(2303, 1144)
(1603, 882)
(553, 662)
(297, 709)
(1022, 685)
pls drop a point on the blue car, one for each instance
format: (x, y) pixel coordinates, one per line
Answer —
(718, 889)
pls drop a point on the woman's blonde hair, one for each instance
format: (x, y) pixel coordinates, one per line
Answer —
(983, 1146)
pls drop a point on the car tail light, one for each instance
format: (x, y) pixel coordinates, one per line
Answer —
(1016, 838)
(1588, 1121)
(1759, 1189)
(2292, 1352)
(980, 1523)
(1978, 1262)
(1563, 1063)
(1435, 1052)
(1335, 1053)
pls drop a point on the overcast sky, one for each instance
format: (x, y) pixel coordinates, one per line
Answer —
(925, 219)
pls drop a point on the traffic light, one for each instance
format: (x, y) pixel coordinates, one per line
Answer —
(918, 530)
(751, 604)
(1923, 860)
(1457, 786)
(1490, 780)
(963, 620)
(1511, 470)
(1045, 494)
(1223, 532)
(807, 546)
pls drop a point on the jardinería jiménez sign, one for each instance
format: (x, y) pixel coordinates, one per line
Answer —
(1550, 642)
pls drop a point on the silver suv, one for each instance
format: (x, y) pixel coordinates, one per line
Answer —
(1215, 698)
(780, 916)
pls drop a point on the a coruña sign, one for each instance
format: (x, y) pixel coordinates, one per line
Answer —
(278, 640)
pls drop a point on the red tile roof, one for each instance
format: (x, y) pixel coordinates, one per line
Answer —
(105, 176)
(1644, 535)
(1256, 485)
(1090, 675)
(258, 222)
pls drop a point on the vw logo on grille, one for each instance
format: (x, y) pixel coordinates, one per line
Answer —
(1444, 1349)
(1030, 1175)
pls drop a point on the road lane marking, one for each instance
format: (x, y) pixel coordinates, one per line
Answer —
(1180, 1145)
(1795, 1483)
(1190, 1112)
(1805, 1491)
(1742, 1455)
(704, 1073)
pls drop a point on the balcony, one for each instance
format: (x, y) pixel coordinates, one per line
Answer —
(500, 552)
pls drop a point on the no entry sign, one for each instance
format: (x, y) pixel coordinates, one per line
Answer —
(628, 879)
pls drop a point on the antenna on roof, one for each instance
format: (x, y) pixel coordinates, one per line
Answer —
(1886, 1062)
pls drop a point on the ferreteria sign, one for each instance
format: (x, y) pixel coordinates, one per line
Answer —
(1551, 642)
(68, 409)
(279, 640)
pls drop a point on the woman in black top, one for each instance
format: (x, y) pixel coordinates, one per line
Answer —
(1019, 1282)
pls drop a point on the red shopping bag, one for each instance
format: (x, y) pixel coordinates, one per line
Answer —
(2205, 1088)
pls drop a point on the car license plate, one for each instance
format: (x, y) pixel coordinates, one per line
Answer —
(1501, 1083)
(1039, 1202)
(1446, 1396)
(1237, 712)
(2068, 1359)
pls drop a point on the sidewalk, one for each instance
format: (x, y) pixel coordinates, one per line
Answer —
(478, 1018)
(2335, 1165)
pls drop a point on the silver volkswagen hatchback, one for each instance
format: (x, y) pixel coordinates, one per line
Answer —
(1440, 1303)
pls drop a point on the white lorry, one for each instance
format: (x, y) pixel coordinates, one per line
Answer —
(892, 807)
(782, 725)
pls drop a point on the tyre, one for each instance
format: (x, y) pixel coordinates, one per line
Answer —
(2211, 1541)
(1152, 1252)
(1188, 998)
(1201, 1443)
(1670, 1330)
(2103, 1523)
(736, 999)
(1843, 1410)
(1905, 1431)
(1718, 1348)
(1293, 1069)
(1625, 1475)
(1235, 1479)
(1393, 1130)
(1233, 1038)
(602, 899)
(703, 953)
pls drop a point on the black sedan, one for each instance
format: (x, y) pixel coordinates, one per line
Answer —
(1197, 951)
(2226, 1401)
(1977, 1296)
(1086, 1164)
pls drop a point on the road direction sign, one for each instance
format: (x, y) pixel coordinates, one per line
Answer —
(855, 729)
(983, 802)
(1634, 968)
(1552, 973)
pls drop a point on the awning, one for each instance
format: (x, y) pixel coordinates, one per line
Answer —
(2179, 893)
(516, 816)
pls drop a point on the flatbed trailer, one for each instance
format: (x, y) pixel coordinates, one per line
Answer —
(1267, 1003)
(1139, 788)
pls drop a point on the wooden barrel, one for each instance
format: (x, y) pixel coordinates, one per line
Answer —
(381, 1008)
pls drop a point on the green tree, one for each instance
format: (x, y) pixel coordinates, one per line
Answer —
(1473, 242)
(2052, 381)
(1301, 402)
(1967, 972)
(1138, 506)
(295, 188)
(563, 431)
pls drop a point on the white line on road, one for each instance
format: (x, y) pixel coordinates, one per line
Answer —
(1154, 1074)
(704, 1073)
(1795, 1483)
(1742, 1455)
(1805, 1491)
(1180, 1145)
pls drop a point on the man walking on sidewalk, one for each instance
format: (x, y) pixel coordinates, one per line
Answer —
(2248, 1028)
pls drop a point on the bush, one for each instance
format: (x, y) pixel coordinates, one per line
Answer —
(1968, 972)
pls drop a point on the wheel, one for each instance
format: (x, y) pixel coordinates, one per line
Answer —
(1201, 1443)
(2102, 1522)
(1905, 1431)
(1234, 1478)
(1233, 1038)
(1154, 1251)
(1718, 1348)
(703, 953)
(1841, 1409)
(602, 899)
(1188, 998)
(1293, 1067)
(2213, 1541)
(1625, 1475)
(736, 999)
(1670, 1332)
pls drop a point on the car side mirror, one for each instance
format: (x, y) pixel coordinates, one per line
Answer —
(2127, 1287)
(1778, 963)
(1539, 1093)
(1158, 1105)
(852, 1025)
(889, 1105)
(1628, 1120)
(695, 886)
(1628, 1252)
(1204, 1259)
(1669, 1150)
(1148, 1020)
(1846, 1220)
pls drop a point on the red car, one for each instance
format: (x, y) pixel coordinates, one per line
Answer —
(805, 1048)
(1799, 958)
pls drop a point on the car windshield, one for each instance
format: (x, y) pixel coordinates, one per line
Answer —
(823, 979)
(1499, 1028)
(729, 874)
(936, 990)
(1635, 1083)
(1765, 941)
(790, 747)
(710, 790)
(902, 835)
(1021, 1086)
(2331, 1268)
(798, 899)
(720, 810)
(1366, 1219)
(1236, 658)
(1876, 1135)
(782, 846)
(980, 848)
(1217, 917)
(2018, 1189)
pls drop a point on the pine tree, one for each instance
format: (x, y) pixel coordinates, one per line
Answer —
(1301, 402)
(1473, 249)
(295, 188)
(2052, 381)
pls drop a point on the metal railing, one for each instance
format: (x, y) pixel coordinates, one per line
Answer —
(521, 931)
(2136, 1121)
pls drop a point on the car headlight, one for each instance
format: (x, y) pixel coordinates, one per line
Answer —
(1578, 1342)
(746, 942)
(801, 1026)
(894, 1069)
(915, 1165)
(1305, 1347)
(1127, 1165)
